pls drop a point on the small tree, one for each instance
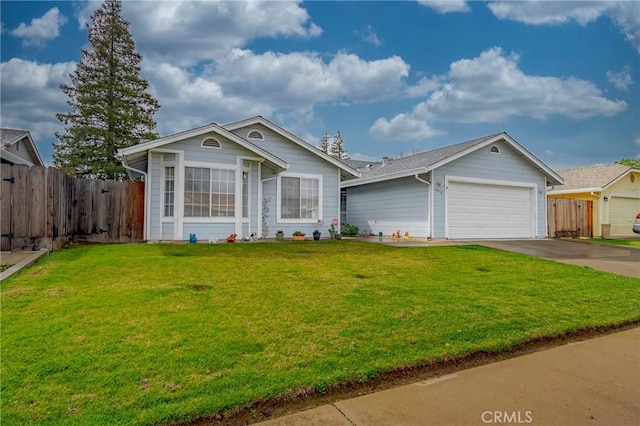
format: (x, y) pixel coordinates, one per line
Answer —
(111, 107)
(324, 145)
(337, 149)
(630, 162)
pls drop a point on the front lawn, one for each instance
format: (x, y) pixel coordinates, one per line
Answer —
(140, 333)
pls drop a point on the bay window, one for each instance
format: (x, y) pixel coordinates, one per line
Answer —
(299, 198)
(209, 192)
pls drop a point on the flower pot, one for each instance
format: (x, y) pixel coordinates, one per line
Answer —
(316, 236)
(279, 236)
(298, 238)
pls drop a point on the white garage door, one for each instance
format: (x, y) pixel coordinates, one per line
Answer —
(479, 210)
(623, 213)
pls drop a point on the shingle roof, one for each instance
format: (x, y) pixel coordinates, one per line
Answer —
(11, 135)
(591, 177)
(423, 159)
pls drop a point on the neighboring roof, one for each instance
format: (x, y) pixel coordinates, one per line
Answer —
(430, 160)
(592, 178)
(9, 137)
(135, 156)
(293, 138)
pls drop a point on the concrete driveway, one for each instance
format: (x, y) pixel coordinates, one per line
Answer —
(605, 257)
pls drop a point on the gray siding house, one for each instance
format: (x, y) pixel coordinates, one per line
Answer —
(17, 147)
(249, 177)
(490, 187)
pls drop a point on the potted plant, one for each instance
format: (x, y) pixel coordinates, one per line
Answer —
(298, 236)
(280, 236)
(316, 235)
(332, 232)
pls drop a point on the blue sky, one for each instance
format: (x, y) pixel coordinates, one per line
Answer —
(394, 77)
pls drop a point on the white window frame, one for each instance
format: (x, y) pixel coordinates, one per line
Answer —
(317, 177)
(208, 219)
(261, 138)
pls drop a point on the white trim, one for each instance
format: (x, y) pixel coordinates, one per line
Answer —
(291, 137)
(572, 191)
(207, 165)
(396, 175)
(463, 179)
(317, 177)
(496, 152)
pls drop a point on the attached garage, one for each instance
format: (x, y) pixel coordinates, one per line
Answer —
(485, 188)
(483, 209)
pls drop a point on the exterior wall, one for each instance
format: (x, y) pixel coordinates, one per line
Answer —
(390, 206)
(190, 153)
(481, 164)
(301, 161)
(622, 205)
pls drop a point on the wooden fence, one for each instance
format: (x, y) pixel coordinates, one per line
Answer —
(569, 218)
(40, 205)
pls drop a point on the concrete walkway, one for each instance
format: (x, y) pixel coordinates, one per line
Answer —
(18, 261)
(593, 382)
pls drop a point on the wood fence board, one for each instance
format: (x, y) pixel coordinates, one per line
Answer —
(44, 204)
(569, 218)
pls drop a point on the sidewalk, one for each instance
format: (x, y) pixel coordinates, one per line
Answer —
(18, 261)
(593, 382)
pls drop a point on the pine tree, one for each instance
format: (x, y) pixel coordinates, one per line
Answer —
(324, 145)
(111, 107)
(337, 149)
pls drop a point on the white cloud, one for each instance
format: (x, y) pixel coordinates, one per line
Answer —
(491, 88)
(402, 128)
(187, 32)
(621, 80)
(369, 36)
(41, 29)
(626, 14)
(296, 79)
(423, 87)
(30, 97)
(446, 6)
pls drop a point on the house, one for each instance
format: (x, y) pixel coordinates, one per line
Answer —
(250, 177)
(490, 187)
(17, 147)
(614, 190)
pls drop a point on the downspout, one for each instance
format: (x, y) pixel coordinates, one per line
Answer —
(146, 199)
(430, 207)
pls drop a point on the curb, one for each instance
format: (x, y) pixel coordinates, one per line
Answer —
(23, 264)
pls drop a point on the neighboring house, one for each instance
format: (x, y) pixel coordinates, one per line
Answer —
(17, 147)
(614, 190)
(490, 187)
(249, 177)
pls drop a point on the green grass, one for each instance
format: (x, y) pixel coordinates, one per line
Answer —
(139, 334)
(632, 243)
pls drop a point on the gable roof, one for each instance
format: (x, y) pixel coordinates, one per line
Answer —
(10, 137)
(426, 161)
(345, 168)
(592, 178)
(137, 154)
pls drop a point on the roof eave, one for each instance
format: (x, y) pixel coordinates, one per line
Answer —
(382, 178)
(293, 138)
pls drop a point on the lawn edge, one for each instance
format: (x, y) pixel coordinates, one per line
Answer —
(307, 398)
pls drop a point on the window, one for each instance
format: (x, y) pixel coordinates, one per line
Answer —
(209, 192)
(254, 134)
(169, 190)
(211, 143)
(494, 149)
(300, 198)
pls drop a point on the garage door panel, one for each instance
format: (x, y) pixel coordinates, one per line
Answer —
(488, 211)
(622, 213)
